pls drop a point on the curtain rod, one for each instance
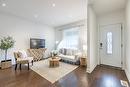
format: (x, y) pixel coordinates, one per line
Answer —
(68, 27)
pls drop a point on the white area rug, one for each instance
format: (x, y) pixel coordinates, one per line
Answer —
(52, 74)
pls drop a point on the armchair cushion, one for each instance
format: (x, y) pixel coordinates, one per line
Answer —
(24, 60)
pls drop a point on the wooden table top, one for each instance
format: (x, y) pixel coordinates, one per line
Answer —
(55, 59)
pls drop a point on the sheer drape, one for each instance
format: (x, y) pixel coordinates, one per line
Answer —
(74, 38)
(70, 39)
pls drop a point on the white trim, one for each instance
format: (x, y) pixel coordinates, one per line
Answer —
(99, 59)
(92, 69)
(127, 74)
(122, 48)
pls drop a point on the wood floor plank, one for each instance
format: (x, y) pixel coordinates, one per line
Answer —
(102, 76)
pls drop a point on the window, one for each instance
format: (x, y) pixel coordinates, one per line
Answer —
(70, 39)
(109, 43)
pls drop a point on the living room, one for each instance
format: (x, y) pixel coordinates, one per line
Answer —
(22, 29)
(42, 20)
(58, 43)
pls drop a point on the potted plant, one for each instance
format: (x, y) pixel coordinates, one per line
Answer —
(5, 44)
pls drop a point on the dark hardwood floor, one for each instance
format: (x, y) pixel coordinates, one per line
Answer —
(102, 76)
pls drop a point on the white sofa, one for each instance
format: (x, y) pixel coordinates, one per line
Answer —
(70, 56)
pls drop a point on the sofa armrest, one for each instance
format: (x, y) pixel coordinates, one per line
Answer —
(77, 57)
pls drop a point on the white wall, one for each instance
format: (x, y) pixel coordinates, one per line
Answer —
(92, 40)
(128, 40)
(22, 30)
(114, 18)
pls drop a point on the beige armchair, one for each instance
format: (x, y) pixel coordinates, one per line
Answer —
(22, 60)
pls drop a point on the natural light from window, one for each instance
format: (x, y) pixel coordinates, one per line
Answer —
(70, 39)
(109, 43)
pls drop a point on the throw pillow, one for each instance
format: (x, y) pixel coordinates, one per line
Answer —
(65, 51)
(22, 54)
(69, 52)
(62, 51)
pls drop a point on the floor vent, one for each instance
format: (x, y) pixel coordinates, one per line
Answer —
(124, 83)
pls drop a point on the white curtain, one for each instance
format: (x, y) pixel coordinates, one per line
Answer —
(70, 39)
(74, 38)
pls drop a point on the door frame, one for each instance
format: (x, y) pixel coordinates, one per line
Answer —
(122, 44)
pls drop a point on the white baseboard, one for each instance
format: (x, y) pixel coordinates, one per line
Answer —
(91, 70)
(127, 74)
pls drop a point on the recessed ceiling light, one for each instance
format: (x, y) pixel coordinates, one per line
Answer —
(53, 4)
(3, 4)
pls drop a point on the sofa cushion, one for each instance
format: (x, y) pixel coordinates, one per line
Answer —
(68, 58)
(68, 52)
(61, 51)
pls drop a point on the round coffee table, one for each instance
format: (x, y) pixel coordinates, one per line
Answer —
(54, 62)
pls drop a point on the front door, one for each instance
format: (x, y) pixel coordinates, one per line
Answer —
(110, 45)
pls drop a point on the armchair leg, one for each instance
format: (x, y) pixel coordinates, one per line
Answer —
(20, 66)
(15, 66)
(32, 62)
(28, 66)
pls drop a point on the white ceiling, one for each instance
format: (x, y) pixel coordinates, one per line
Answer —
(64, 12)
(102, 7)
